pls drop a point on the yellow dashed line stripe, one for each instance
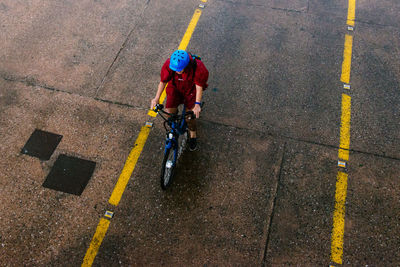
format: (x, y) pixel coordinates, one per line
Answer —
(345, 128)
(351, 12)
(346, 65)
(338, 218)
(98, 237)
(190, 29)
(129, 166)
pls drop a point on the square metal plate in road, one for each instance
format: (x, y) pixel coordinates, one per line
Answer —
(70, 175)
(41, 144)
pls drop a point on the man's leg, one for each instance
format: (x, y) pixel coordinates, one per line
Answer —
(192, 126)
(193, 133)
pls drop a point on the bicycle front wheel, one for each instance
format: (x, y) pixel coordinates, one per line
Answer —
(167, 169)
(182, 143)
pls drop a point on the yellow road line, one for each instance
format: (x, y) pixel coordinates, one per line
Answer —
(343, 154)
(98, 237)
(190, 29)
(351, 12)
(338, 218)
(346, 65)
(345, 128)
(129, 166)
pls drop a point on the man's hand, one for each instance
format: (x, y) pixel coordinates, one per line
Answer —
(197, 110)
(154, 102)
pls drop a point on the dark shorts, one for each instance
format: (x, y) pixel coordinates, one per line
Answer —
(175, 98)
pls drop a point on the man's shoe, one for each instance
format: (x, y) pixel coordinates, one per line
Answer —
(192, 144)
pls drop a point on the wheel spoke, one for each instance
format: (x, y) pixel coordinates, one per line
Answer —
(167, 168)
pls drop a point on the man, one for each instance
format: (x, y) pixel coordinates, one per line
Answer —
(187, 78)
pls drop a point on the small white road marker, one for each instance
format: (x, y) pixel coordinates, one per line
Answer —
(109, 214)
(341, 164)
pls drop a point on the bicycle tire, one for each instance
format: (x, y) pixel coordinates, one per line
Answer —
(182, 143)
(167, 169)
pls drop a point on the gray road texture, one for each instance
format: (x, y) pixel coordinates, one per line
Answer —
(260, 191)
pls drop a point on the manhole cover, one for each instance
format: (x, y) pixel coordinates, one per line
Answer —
(41, 144)
(70, 174)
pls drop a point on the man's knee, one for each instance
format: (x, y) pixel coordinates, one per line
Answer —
(171, 110)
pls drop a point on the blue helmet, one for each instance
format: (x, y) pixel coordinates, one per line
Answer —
(179, 60)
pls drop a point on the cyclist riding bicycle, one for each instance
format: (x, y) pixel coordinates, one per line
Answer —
(187, 77)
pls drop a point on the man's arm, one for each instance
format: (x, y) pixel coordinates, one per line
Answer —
(156, 99)
(199, 95)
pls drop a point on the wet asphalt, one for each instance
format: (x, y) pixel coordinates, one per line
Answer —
(260, 191)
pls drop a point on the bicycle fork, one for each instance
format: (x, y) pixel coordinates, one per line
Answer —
(171, 143)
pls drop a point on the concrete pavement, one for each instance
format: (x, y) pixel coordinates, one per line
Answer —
(261, 189)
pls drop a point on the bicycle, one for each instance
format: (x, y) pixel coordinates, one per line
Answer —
(177, 135)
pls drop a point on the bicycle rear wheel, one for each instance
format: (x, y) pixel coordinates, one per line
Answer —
(167, 169)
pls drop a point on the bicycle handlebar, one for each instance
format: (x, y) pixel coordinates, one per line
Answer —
(160, 107)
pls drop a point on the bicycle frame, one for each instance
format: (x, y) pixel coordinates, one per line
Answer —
(178, 126)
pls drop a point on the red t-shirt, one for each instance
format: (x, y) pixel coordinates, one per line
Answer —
(186, 82)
